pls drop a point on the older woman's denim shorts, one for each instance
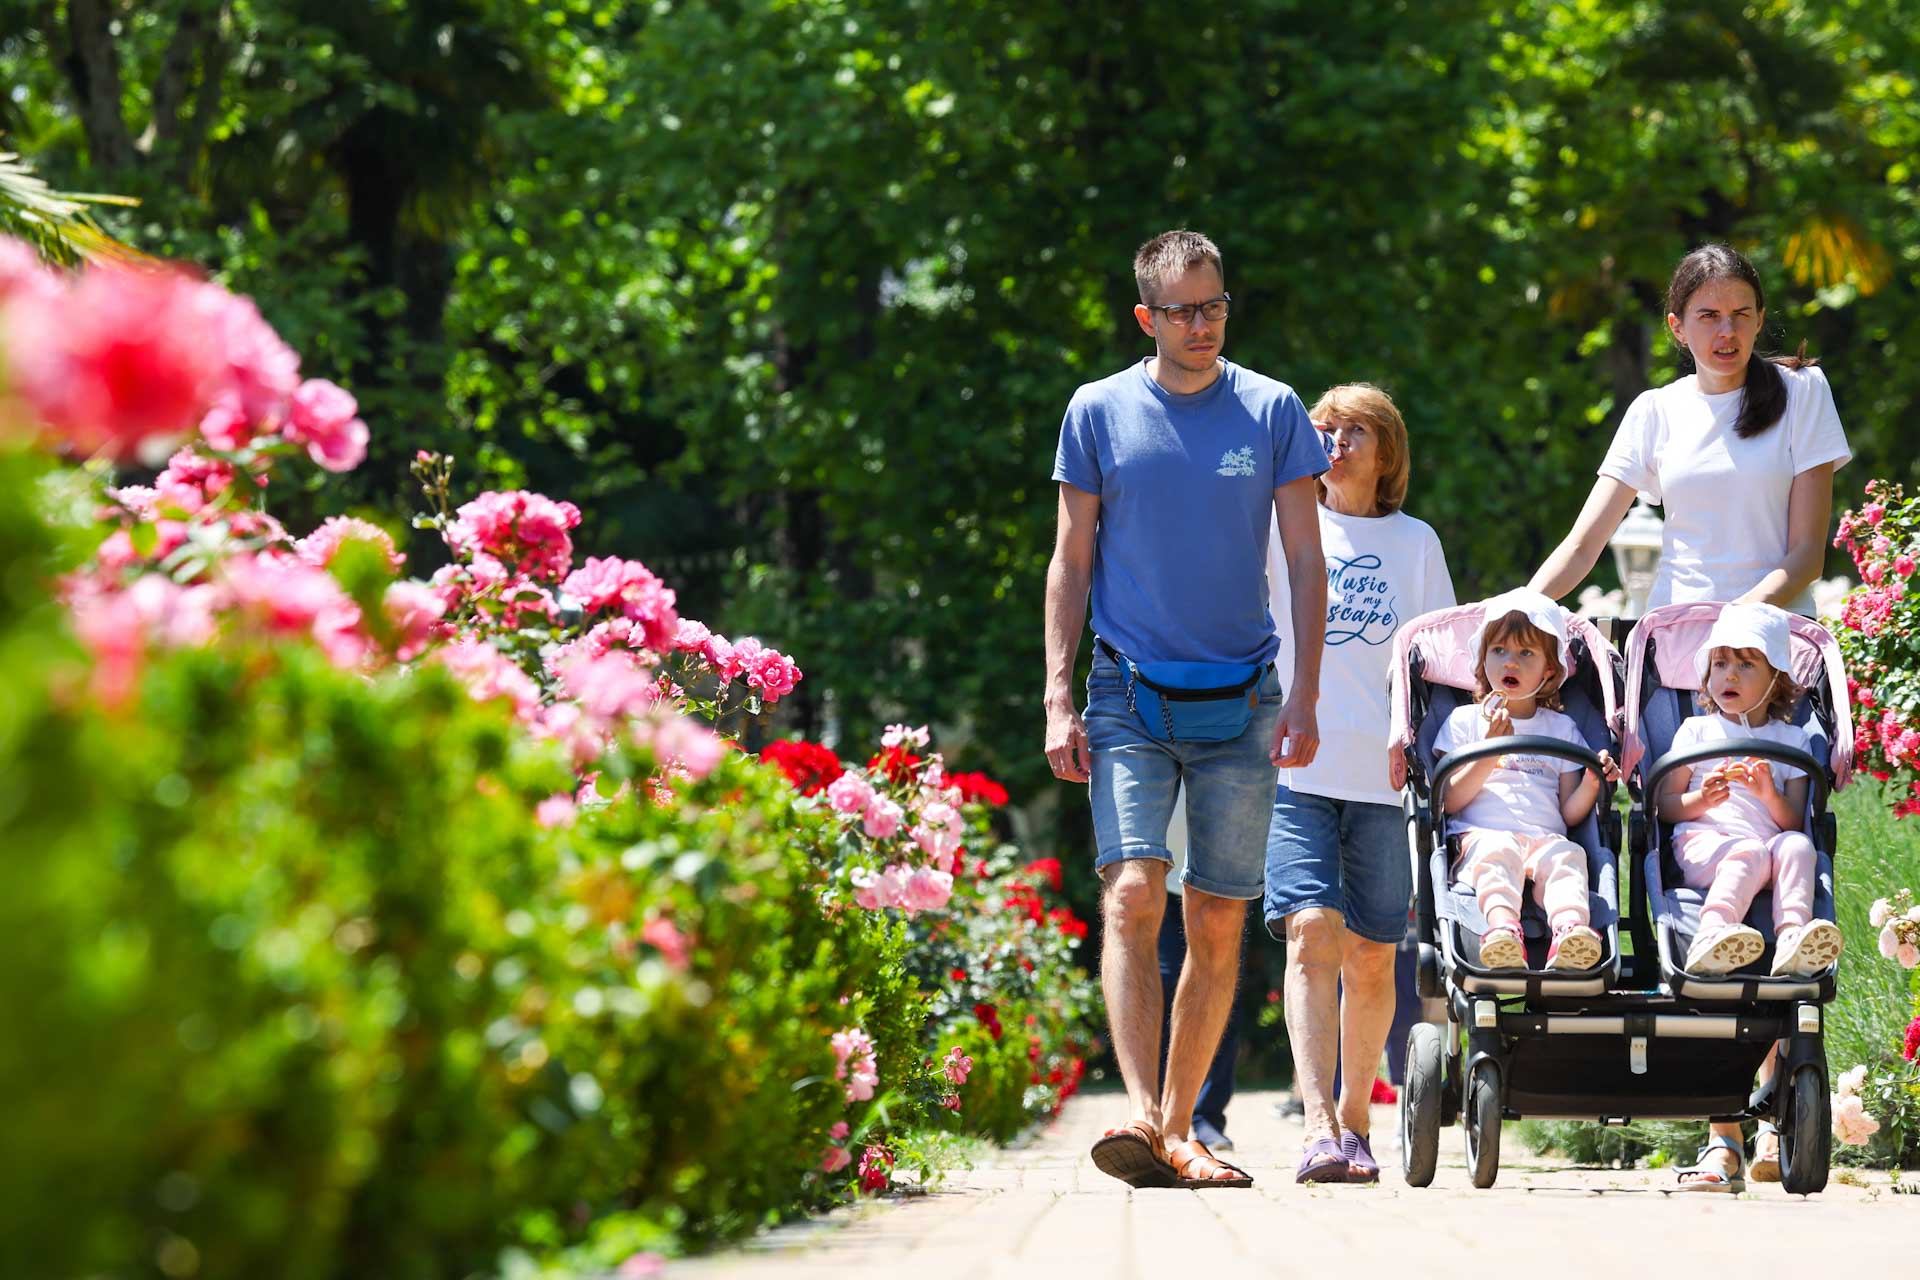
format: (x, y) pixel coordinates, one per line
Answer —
(1348, 856)
(1136, 779)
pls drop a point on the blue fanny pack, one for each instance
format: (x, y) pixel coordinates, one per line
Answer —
(1191, 701)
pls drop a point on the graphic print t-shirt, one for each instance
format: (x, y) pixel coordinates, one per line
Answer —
(1381, 571)
(1523, 792)
(1186, 499)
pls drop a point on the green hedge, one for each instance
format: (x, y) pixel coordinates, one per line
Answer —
(299, 987)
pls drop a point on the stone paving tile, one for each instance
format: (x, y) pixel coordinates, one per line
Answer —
(1044, 1210)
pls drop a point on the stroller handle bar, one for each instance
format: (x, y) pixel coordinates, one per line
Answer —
(1525, 744)
(1731, 747)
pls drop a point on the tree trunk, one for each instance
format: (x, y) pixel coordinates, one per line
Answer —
(94, 70)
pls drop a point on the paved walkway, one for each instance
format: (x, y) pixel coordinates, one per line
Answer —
(1045, 1210)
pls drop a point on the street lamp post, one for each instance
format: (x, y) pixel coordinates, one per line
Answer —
(1636, 553)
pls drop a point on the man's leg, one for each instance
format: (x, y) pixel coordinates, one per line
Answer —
(1173, 957)
(1315, 946)
(1135, 898)
(1201, 1003)
(1366, 1011)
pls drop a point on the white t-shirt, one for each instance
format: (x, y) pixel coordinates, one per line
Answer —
(1741, 813)
(1381, 571)
(1725, 498)
(1523, 792)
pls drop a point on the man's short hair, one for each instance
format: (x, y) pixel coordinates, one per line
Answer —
(1170, 254)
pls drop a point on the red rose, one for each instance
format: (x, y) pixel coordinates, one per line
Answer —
(810, 767)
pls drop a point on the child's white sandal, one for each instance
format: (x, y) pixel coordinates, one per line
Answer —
(1724, 948)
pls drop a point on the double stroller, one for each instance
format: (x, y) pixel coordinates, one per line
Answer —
(1635, 1036)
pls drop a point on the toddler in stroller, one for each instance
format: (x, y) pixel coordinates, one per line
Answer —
(1738, 830)
(1511, 813)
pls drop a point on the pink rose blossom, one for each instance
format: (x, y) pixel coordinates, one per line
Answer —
(412, 608)
(673, 946)
(1903, 565)
(1874, 512)
(898, 735)
(927, 890)
(876, 891)
(630, 587)
(839, 1130)
(557, 810)
(1907, 954)
(850, 794)
(939, 830)
(323, 544)
(190, 481)
(854, 1062)
(24, 276)
(642, 1266)
(262, 372)
(687, 747)
(834, 1159)
(951, 1101)
(957, 1066)
(1889, 942)
(608, 687)
(882, 820)
(488, 674)
(691, 636)
(1851, 1123)
(117, 364)
(526, 532)
(322, 417)
(773, 673)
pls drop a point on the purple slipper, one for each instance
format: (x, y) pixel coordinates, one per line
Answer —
(1323, 1162)
(1361, 1166)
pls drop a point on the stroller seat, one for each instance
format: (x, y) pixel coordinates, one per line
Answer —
(1660, 696)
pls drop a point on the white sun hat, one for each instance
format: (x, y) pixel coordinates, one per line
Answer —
(1748, 626)
(1539, 610)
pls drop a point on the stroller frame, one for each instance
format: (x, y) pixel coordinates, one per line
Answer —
(1613, 1044)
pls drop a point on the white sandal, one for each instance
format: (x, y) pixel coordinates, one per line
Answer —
(1724, 948)
(1804, 950)
(1707, 1177)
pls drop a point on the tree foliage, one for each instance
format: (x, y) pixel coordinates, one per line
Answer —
(803, 288)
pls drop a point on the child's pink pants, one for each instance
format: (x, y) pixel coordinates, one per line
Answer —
(1734, 869)
(1499, 863)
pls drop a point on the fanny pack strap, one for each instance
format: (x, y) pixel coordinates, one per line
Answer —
(1175, 693)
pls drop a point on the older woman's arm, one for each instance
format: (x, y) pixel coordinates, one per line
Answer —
(1809, 508)
(1580, 550)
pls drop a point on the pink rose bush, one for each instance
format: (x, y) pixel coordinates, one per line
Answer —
(1881, 641)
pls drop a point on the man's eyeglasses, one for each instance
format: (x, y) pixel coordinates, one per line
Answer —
(1181, 313)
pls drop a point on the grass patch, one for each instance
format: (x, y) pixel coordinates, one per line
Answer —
(1878, 854)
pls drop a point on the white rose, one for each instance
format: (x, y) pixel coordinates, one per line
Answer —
(1850, 1081)
(1913, 914)
(1881, 912)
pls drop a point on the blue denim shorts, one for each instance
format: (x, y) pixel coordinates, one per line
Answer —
(1345, 855)
(1136, 779)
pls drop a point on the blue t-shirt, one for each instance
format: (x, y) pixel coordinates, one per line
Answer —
(1186, 499)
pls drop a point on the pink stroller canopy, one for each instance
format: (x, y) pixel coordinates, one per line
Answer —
(1676, 632)
(1444, 641)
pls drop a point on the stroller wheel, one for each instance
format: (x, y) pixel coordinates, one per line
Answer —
(1420, 1106)
(1806, 1137)
(1483, 1124)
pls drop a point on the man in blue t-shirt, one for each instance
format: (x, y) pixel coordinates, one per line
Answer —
(1170, 472)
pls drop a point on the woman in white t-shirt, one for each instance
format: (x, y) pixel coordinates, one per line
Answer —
(1741, 454)
(1338, 879)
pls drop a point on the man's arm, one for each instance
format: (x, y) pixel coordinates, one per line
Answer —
(1069, 577)
(1295, 508)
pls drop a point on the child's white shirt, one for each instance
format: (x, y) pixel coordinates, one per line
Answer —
(1523, 792)
(1742, 813)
